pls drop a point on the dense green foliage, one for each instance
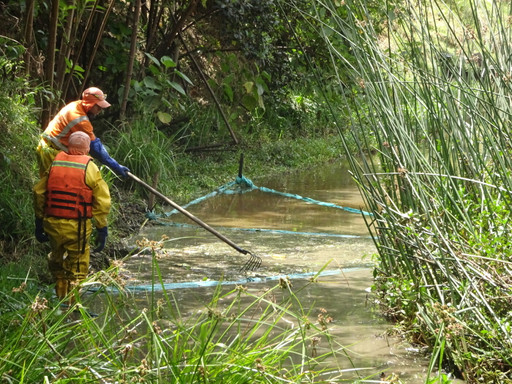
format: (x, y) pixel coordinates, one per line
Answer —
(197, 77)
(18, 138)
(241, 63)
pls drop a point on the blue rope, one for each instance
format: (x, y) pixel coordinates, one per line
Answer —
(213, 283)
(243, 185)
(226, 189)
(154, 217)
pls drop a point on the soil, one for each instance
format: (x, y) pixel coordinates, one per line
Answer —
(130, 216)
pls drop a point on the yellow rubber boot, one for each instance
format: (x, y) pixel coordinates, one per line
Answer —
(61, 288)
(72, 284)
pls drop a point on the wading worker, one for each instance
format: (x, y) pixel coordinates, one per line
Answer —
(75, 117)
(66, 202)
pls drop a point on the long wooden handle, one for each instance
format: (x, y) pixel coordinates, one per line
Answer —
(188, 214)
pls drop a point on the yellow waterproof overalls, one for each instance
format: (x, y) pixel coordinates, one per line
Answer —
(67, 198)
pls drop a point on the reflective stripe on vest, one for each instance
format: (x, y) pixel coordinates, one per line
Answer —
(68, 196)
(62, 125)
(54, 142)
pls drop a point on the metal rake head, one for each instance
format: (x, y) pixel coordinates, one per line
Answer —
(253, 263)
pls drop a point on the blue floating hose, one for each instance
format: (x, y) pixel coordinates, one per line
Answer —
(214, 283)
(243, 185)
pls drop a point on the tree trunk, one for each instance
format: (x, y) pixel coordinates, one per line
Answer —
(179, 21)
(67, 42)
(96, 45)
(50, 61)
(77, 54)
(29, 34)
(153, 19)
(131, 59)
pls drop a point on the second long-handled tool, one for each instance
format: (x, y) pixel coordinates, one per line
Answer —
(254, 261)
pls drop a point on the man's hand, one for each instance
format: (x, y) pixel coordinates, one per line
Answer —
(101, 238)
(39, 232)
(99, 152)
(119, 169)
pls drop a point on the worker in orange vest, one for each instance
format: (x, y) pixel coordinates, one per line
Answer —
(66, 201)
(75, 117)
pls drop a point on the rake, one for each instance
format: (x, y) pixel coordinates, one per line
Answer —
(254, 261)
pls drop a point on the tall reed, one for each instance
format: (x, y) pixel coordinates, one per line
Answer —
(431, 90)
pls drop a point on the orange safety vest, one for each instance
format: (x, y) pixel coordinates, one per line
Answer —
(70, 119)
(67, 194)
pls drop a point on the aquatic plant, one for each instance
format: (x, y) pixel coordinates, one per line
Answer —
(432, 86)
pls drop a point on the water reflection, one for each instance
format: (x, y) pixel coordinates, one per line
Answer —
(257, 209)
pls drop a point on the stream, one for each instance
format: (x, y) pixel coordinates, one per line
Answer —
(293, 238)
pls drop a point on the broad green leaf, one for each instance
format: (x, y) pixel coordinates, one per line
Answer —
(164, 117)
(248, 86)
(153, 59)
(151, 83)
(177, 87)
(149, 93)
(154, 70)
(168, 62)
(228, 79)
(228, 91)
(184, 77)
(137, 86)
(260, 89)
(249, 102)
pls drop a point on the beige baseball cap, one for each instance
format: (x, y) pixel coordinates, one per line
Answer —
(79, 143)
(95, 96)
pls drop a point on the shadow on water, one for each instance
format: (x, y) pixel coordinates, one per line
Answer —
(193, 261)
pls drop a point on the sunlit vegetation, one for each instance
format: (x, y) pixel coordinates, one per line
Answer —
(233, 336)
(433, 85)
(196, 86)
(423, 86)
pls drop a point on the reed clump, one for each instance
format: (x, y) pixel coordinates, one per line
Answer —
(432, 90)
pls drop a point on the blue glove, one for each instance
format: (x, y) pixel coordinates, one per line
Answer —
(101, 238)
(99, 152)
(40, 235)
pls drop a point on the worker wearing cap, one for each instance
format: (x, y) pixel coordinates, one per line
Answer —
(75, 117)
(66, 200)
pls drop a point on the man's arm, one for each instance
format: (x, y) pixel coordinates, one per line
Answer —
(99, 152)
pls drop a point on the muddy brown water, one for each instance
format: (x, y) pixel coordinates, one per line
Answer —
(294, 239)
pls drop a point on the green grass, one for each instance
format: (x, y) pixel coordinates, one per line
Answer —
(237, 336)
(18, 140)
